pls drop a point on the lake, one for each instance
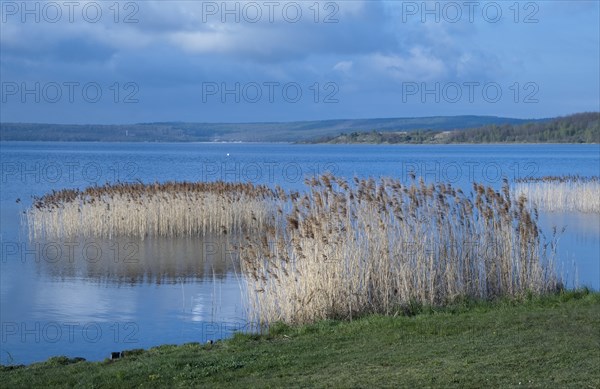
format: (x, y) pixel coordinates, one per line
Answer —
(90, 297)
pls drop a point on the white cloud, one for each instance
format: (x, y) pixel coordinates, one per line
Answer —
(343, 66)
(419, 65)
(203, 42)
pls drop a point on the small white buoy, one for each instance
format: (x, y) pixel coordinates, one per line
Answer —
(228, 154)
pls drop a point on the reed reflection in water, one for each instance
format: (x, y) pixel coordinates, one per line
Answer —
(154, 260)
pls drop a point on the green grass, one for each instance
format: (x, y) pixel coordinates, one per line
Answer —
(552, 341)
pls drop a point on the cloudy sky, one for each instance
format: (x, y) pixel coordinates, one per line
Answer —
(239, 61)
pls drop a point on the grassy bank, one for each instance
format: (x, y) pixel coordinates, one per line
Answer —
(541, 342)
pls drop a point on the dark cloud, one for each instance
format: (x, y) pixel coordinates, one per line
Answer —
(172, 50)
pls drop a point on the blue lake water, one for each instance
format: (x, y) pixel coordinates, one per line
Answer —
(91, 297)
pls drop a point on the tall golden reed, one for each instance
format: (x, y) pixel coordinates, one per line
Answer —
(140, 210)
(340, 249)
(561, 193)
(380, 246)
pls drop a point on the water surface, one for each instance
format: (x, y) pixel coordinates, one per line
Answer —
(90, 297)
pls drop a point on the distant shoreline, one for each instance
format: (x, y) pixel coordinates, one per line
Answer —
(294, 131)
(583, 128)
(576, 128)
(306, 143)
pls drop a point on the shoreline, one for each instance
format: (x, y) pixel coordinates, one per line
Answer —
(300, 143)
(469, 343)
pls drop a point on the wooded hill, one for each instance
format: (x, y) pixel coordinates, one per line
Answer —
(235, 132)
(577, 128)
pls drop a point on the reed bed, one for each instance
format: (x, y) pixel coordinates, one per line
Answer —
(561, 193)
(375, 247)
(160, 209)
(337, 250)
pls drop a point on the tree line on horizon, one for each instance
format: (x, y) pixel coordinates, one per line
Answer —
(576, 128)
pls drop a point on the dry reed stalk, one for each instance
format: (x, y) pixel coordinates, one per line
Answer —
(562, 194)
(377, 247)
(337, 251)
(140, 210)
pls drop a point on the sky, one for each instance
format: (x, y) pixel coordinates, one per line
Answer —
(108, 62)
